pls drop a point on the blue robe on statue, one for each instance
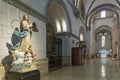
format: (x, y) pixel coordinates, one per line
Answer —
(20, 35)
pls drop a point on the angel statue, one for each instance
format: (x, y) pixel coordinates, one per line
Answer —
(22, 53)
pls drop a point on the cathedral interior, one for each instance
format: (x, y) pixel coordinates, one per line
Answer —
(65, 39)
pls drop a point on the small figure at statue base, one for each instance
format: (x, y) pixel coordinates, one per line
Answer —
(22, 62)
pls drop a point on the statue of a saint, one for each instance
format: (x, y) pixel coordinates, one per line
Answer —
(22, 53)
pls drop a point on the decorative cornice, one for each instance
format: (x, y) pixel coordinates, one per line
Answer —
(75, 36)
(103, 18)
(20, 5)
(67, 34)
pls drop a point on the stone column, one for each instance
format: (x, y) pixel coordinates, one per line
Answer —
(66, 50)
(114, 40)
(118, 42)
(94, 49)
(88, 43)
(92, 40)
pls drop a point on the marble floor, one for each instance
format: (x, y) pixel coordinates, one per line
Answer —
(96, 69)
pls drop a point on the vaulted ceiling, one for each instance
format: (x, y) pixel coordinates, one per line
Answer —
(92, 4)
(93, 10)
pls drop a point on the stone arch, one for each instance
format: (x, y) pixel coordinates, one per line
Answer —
(61, 12)
(109, 7)
(100, 28)
(108, 41)
(61, 6)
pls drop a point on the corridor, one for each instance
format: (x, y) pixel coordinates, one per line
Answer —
(96, 69)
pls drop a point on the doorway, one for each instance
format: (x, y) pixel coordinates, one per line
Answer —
(54, 49)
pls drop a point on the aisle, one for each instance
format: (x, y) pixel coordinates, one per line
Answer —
(96, 69)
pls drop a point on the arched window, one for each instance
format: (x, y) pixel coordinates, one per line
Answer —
(81, 37)
(64, 25)
(103, 41)
(58, 26)
(61, 26)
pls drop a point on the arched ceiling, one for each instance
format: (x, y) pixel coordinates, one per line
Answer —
(91, 4)
(93, 10)
(58, 17)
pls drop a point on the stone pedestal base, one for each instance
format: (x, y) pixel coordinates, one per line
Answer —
(31, 75)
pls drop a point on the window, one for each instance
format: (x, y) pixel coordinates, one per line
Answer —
(64, 25)
(81, 37)
(103, 14)
(61, 26)
(103, 41)
(58, 26)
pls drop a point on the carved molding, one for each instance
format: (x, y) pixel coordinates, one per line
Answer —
(20, 5)
(68, 34)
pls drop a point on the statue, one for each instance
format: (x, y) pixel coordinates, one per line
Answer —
(22, 53)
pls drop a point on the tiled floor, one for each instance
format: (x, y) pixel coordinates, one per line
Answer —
(96, 69)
